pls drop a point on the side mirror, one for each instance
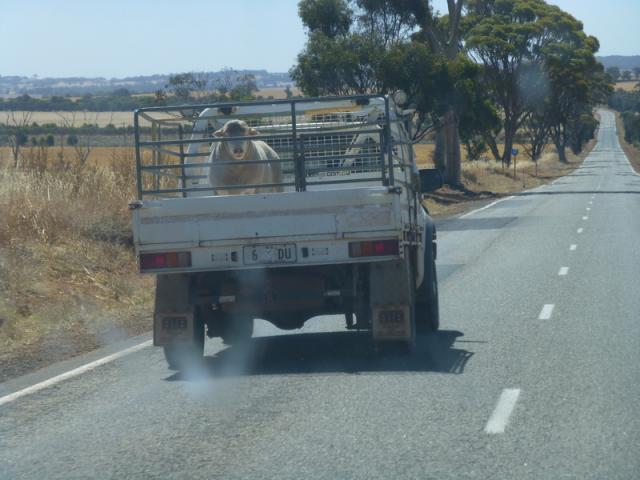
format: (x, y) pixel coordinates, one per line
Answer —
(430, 179)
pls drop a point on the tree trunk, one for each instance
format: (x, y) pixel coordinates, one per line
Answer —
(560, 141)
(454, 160)
(15, 150)
(509, 134)
(440, 152)
(536, 151)
(561, 147)
(493, 146)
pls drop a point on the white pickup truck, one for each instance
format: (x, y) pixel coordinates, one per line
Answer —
(344, 233)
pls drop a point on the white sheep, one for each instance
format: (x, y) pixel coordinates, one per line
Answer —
(242, 150)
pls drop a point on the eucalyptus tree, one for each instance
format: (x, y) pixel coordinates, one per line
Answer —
(511, 39)
(362, 46)
(578, 82)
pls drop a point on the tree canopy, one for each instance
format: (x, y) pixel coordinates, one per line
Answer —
(487, 69)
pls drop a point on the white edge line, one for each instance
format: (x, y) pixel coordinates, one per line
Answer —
(73, 373)
(500, 416)
(468, 214)
(545, 313)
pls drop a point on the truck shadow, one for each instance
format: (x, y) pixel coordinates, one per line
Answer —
(331, 352)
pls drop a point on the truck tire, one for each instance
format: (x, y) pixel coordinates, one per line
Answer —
(427, 307)
(184, 357)
(237, 330)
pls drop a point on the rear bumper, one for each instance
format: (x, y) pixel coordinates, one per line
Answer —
(301, 254)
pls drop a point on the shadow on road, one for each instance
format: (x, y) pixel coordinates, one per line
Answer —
(332, 352)
(462, 224)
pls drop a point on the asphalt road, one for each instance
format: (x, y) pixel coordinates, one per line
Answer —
(534, 374)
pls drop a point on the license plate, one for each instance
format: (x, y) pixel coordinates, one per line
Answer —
(391, 322)
(270, 254)
(172, 328)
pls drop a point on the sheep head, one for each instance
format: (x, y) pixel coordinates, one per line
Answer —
(232, 130)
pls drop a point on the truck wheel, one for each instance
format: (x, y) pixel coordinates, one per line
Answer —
(183, 357)
(237, 330)
(427, 308)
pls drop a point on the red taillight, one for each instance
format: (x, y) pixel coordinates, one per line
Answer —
(156, 261)
(375, 248)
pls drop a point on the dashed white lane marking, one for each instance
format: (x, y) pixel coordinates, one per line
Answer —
(585, 218)
(563, 271)
(588, 209)
(500, 416)
(573, 247)
(545, 313)
(73, 373)
(580, 230)
(472, 212)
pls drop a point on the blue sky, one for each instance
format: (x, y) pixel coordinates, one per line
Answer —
(115, 38)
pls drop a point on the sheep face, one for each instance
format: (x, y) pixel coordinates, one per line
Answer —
(231, 130)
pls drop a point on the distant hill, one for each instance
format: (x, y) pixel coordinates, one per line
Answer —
(623, 62)
(76, 86)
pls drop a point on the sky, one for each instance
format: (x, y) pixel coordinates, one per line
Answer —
(117, 38)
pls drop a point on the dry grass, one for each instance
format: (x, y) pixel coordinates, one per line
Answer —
(485, 180)
(100, 156)
(627, 86)
(277, 92)
(632, 152)
(68, 281)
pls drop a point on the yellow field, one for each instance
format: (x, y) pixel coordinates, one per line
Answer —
(424, 153)
(277, 92)
(102, 119)
(76, 119)
(98, 155)
(627, 86)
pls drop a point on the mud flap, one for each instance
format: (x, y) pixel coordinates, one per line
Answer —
(173, 317)
(391, 297)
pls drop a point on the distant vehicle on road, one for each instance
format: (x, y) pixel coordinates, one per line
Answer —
(344, 232)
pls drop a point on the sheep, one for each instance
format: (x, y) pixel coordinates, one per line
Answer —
(232, 150)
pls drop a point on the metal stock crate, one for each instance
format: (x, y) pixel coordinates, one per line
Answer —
(321, 143)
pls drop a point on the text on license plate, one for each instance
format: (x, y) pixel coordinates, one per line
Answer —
(266, 254)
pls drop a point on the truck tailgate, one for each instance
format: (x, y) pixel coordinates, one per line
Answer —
(209, 221)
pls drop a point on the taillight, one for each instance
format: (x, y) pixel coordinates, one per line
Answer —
(375, 248)
(157, 261)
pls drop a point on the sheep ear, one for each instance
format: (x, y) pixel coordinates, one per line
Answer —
(219, 133)
(253, 131)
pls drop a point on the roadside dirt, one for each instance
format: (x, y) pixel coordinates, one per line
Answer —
(71, 340)
(632, 152)
(487, 181)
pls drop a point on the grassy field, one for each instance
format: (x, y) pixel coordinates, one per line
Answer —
(102, 156)
(277, 92)
(627, 86)
(76, 119)
(103, 119)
